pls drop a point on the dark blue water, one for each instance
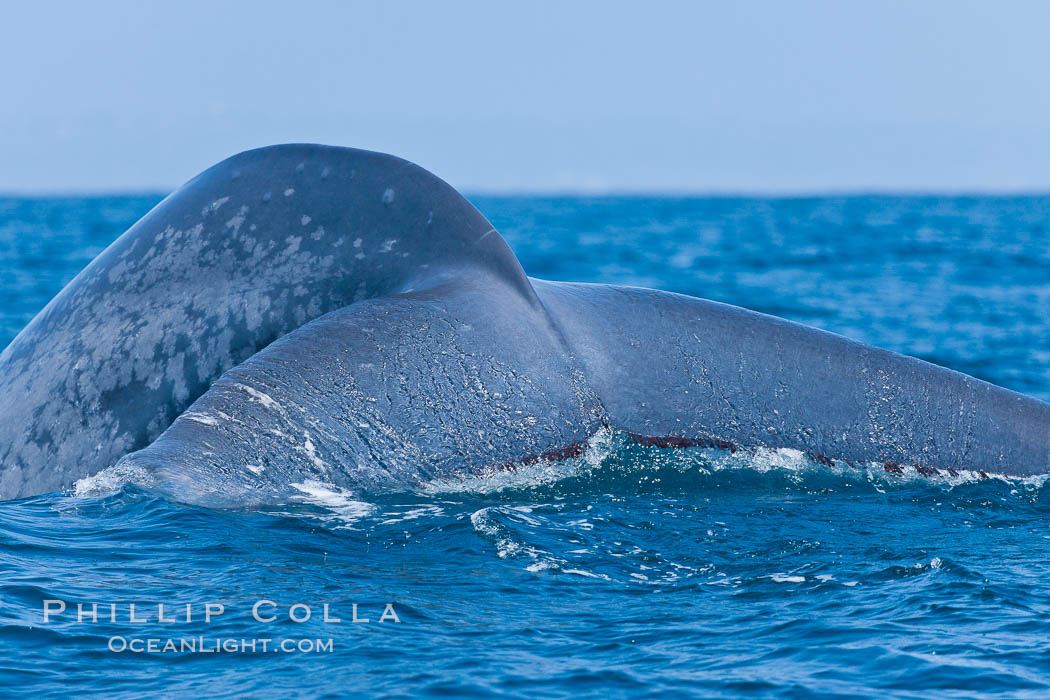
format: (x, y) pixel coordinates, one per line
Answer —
(628, 572)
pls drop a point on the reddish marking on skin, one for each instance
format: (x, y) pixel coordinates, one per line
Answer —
(663, 442)
(715, 443)
(678, 442)
(892, 467)
(725, 445)
(574, 449)
(569, 451)
(821, 458)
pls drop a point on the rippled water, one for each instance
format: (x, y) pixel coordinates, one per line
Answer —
(629, 571)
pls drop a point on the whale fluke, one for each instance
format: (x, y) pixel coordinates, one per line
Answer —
(242, 254)
(305, 312)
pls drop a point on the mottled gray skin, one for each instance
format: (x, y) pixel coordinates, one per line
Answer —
(344, 317)
(239, 256)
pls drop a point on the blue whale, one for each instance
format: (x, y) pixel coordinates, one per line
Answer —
(310, 313)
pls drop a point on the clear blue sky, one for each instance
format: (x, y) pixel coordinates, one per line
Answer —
(536, 96)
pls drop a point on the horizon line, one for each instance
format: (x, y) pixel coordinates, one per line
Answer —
(608, 193)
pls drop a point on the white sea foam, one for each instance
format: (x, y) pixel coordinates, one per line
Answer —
(111, 480)
(342, 504)
(786, 578)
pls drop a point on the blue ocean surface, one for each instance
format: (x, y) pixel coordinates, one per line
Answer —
(629, 571)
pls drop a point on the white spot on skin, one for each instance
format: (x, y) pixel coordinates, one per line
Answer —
(235, 223)
(201, 418)
(305, 221)
(357, 242)
(299, 168)
(316, 235)
(388, 196)
(214, 206)
(325, 172)
(259, 396)
(361, 292)
(289, 192)
(311, 452)
(266, 197)
(388, 245)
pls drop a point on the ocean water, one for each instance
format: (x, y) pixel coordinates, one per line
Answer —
(627, 572)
